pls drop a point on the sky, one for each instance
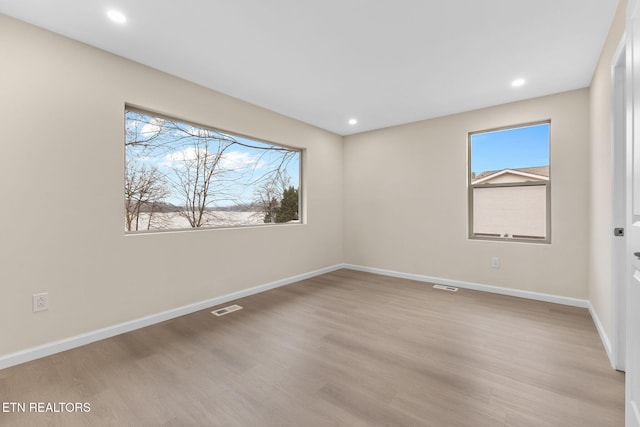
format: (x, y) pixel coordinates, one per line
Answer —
(510, 148)
(244, 164)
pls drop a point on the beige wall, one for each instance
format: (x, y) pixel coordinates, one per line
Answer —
(600, 182)
(406, 200)
(61, 190)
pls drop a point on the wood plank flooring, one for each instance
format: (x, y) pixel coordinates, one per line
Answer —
(343, 349)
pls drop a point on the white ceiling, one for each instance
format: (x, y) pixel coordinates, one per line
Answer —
(323, 62)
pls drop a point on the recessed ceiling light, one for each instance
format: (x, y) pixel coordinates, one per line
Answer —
(117, 16)
(518, 82)
(353, 122)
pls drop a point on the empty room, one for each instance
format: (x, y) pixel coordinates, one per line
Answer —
(338, 213)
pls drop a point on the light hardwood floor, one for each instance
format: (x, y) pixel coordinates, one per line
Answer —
(343, 349)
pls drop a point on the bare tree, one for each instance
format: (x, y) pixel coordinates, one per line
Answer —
(196, 172)
(143, 131)
(144, 189)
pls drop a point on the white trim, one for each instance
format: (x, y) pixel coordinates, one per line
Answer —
(635, 412)
(632, 6)
(603, 335)
(48, 349)
(574, 302)
(619, 259)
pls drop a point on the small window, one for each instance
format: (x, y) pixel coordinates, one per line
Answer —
(509, 184)
(182, 176)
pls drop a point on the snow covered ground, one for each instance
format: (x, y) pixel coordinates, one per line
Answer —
(173, 220)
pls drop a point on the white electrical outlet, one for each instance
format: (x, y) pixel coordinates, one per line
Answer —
(41, 301)
(495, 262)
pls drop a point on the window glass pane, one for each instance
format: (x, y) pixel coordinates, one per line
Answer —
(510, 155)
(179, 176)
(510, 212)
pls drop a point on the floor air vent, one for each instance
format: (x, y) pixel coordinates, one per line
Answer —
(446, 288)
(226, 310)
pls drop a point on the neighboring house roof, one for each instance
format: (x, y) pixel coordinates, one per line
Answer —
(538, 173)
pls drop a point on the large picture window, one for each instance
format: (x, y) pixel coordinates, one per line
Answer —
(180, 176)
(509, 184)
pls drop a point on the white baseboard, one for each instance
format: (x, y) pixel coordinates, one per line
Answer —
(574, 302)
(48, 349)
(603, 335)
(29, 354)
